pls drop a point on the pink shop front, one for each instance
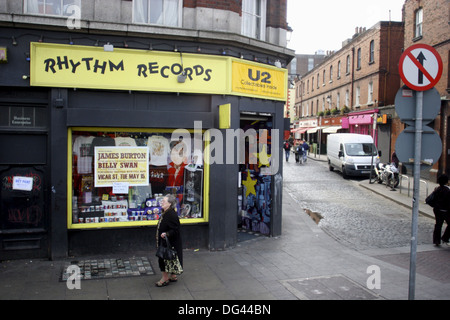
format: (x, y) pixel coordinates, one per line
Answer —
(362, 122)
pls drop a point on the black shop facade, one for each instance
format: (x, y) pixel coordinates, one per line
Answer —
(96, 136)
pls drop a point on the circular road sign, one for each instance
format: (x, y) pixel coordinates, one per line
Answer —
(405, 105)
(431, 148)
(420, 67)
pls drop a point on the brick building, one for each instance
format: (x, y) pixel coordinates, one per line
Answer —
(347, 90)
(80, 79)
(427, 22)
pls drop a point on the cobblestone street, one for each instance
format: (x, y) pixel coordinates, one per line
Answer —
(354, 216)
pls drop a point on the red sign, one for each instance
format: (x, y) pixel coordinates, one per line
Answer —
(420, 67)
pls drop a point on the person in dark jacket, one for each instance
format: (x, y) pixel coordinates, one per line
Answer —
(169, 226)
(442, 211)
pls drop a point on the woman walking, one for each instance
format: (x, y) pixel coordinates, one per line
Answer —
(442, 211)
(169, 226)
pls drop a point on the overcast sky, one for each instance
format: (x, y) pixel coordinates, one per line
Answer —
(324, 24)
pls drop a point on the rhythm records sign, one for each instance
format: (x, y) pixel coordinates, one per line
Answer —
(69, 66)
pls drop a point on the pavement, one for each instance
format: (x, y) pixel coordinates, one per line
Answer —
(304, 263)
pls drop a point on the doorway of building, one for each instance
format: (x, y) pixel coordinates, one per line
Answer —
(255, 180)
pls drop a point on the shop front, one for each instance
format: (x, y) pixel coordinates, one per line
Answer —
(125, 127)
(362, 122)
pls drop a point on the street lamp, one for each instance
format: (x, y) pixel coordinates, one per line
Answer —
(289, 32)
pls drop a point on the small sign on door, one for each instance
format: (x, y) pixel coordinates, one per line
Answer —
(22, 183)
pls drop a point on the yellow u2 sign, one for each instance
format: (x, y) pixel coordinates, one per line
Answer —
(254, 79)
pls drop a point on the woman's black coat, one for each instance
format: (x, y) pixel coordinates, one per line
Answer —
(170, 224)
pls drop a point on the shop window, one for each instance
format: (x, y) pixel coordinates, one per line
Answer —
(158, 12)
(52, 7)
(119, 176)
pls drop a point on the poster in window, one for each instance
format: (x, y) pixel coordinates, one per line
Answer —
(192, 198)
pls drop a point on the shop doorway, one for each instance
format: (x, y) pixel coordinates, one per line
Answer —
(23, 197)
(255, 182)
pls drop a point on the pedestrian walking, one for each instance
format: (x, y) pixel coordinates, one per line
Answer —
(169, 226)
(441, 211)
(298, 151)
(305, 148)
(287, 149)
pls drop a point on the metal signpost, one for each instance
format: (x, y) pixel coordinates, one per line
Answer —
(420, 69)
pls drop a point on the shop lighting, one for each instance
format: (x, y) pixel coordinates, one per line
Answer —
(125, 44)
(108, 47)
(14, 42)
(278, 63)
(182, 76)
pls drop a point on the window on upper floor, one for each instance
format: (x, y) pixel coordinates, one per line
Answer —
(358, 59)
(347, 67)
(339, 70)
(370, 93)
(158, 12)
(64, 8)
(418, 23)
(358, 96)
(323, 78)
(372, 52)
(254, 19)
(331, 73)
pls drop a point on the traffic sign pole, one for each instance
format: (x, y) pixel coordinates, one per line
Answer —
(419, 76)
(415, 213)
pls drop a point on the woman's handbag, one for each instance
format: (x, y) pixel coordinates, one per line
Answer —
(431, 199)
(173, 266)
(166, 252)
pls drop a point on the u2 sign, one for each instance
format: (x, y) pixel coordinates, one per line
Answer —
(420, 67)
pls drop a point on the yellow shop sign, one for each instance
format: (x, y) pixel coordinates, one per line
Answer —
(257, 80)
(69, 66)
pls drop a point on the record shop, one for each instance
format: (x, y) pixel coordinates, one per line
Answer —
(94, 136)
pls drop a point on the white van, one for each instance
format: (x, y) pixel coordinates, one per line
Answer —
(351, 153)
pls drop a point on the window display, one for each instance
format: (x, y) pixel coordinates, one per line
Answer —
(119, 176)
